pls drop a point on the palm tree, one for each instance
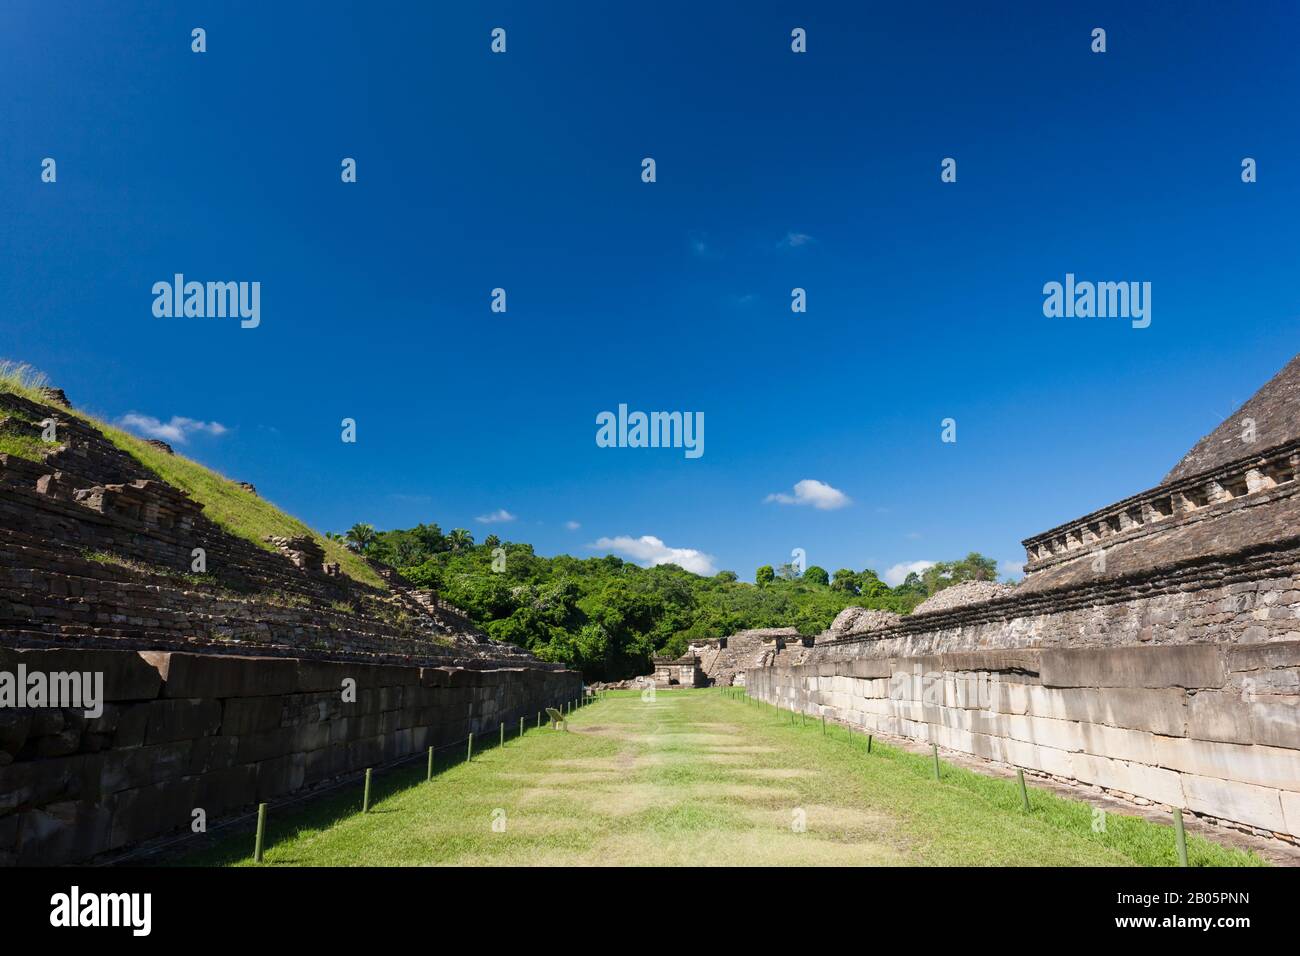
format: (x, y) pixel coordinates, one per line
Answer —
(460, 539)
(360, 537)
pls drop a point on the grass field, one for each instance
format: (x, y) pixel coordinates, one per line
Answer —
(699, 778)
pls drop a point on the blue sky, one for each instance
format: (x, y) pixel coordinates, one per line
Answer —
(522, 171)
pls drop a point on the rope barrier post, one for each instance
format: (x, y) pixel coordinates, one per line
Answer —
(261, 833)
(1180, 837)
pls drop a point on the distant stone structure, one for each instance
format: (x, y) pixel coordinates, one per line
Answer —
(1152, 651)
(725, 660)
(683, 671)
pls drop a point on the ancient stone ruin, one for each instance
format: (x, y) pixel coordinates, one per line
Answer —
(1152, 651)
(221, 688)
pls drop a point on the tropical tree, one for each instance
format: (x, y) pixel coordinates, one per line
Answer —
(360, 537)
(460, 539)
(764, 575)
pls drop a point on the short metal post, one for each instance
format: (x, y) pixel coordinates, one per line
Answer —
(429, 774)
(870, 737)
(1024, 793)
(521, 727)
(503, 734)
(936, 760)
(365, 800)
(469, 749)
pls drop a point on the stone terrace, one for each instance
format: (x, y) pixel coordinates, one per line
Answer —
(95, 550)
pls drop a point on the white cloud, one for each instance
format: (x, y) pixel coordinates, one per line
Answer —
(1011, 568)
(651, 551)
(793, 240)
(496, 517)
(572, 525)
(175, 431)
(897, 574)
(812, 492)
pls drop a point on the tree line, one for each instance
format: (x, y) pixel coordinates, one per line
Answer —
(609, 617)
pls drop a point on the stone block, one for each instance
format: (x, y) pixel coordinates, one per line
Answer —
(1015, 660)
(254, 748)
(1256, 764)
(1119, 743)
(38, 782)
(61, 833)
(212, 675)
(1182, 665)
(142, 766)
(1232, 800)
(226, 790)
(280, 775)
(15, 725)
(214, 753)
(1290, 811)
(127, 674)
(1219, 715)
(252, 715)
(1158, 710)
(132, 724)
(1265, 656)
(1153, 783)
(1275, 723)
(182, 719)
(144, 812)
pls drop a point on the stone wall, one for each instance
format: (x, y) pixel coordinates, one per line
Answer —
(1210, 728)
(181, 731)
(1235, 599)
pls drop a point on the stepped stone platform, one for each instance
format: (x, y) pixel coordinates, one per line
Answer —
(1152, 651)
(223, 687)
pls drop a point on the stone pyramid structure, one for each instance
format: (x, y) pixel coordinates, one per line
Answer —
(96, 551)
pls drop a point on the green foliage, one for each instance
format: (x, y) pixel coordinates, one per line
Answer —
(973, 567)
(609, 617)
(764, 575)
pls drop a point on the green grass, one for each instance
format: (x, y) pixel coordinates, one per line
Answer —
(238, 511)
(696, 778)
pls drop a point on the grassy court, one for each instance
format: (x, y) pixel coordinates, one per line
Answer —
(698, 778)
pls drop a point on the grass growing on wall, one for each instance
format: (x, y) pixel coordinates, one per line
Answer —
(238, 511)
(695, 778)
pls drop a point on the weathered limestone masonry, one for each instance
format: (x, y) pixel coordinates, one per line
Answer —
(185, 731)
(96, 576)
(725, 660)
(1152, 651)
